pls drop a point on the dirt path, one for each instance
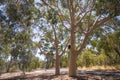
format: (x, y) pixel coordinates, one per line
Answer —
(49, 75)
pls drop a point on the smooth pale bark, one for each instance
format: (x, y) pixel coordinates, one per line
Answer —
(73, 52)
(72, 59)
(73, 55)
(72, 65)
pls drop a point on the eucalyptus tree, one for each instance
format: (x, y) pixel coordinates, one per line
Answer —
(83, 17)
(77, 17)
(16, 31)
(16, 44)
(53, 39)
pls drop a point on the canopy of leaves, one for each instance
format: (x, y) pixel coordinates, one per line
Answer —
(108, 7)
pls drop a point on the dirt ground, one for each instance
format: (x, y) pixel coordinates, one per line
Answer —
(49, 75)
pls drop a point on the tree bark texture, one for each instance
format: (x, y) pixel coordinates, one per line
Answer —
(57, 65)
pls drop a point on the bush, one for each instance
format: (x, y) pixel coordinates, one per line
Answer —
(86, 59)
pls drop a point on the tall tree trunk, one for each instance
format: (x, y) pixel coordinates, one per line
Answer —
(72, 59)
(73, 55)
(57, 65)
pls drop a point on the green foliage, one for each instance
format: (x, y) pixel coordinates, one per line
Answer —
(52, 16)
(2, 1)
(64, 61)
(110, 7)
(42, 64)
(64, 3)
(35, 63)
(102, 58)
(16, 33)
(111, 46)
(86, 59)
(23, 13)
(12, 9)
(1, 65)
(90, 58)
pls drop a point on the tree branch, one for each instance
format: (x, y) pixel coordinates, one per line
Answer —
(83, 44)
(96, 24)
(99, 23)
(63, 51)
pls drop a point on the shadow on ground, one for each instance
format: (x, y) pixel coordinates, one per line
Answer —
(82, 75)
(45, 76)
(100, 74)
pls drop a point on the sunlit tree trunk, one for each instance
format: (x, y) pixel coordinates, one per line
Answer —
(73, 55)
(72, 59)
(72, 64)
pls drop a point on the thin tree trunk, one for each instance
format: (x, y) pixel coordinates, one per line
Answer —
(57, 65)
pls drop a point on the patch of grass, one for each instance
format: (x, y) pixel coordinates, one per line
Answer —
(113, 67)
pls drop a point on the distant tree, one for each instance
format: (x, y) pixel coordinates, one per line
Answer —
(108, 40)
(15, 21)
